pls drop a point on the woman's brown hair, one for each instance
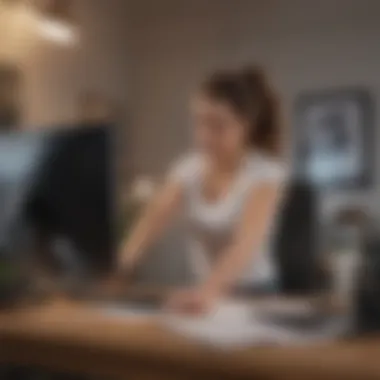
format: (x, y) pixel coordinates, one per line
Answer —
(251, 96)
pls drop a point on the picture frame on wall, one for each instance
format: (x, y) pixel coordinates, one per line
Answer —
(334, 138)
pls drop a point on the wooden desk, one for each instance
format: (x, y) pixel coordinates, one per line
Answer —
(64, 336)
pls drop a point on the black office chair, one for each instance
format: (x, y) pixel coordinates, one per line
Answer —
(296, 242)
(367, 294)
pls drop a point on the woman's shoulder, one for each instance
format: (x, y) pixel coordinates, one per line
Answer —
(264, 166)
(187, 166)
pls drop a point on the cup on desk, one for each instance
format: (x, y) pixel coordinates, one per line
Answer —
(344, 268)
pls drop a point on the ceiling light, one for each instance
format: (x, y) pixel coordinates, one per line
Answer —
(56, 22)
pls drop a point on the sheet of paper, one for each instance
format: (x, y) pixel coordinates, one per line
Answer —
(236, 325)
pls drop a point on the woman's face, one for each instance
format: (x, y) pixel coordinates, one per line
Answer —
(218, 130)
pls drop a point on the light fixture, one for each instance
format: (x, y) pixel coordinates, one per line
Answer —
(55, 21)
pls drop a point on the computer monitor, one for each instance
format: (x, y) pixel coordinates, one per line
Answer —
(20, 156)
(71, 199)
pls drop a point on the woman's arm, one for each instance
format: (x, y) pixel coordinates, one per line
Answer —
(248, 237)
(156, 216)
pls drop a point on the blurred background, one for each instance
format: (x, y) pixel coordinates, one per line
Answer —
(135, 63)
(141, 59)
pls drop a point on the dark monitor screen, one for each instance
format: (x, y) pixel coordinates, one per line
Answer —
(72, 196)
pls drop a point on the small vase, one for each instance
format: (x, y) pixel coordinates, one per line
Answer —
(345, 263)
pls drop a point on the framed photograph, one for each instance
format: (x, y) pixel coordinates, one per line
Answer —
(334, 138)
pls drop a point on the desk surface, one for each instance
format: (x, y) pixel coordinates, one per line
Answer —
(72, 337)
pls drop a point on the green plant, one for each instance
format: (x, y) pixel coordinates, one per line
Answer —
(8, 272)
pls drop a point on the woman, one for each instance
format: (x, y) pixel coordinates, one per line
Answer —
(229, 187)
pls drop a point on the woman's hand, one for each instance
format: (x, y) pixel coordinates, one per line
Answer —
(194, 301)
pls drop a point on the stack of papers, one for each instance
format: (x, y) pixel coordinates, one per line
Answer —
(235, 325)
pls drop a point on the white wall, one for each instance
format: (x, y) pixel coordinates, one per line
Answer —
(305, 44)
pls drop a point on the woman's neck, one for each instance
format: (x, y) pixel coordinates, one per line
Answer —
(230, 163)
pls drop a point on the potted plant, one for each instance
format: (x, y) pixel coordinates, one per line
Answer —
(11, 282)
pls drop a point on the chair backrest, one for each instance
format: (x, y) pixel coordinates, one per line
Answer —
(367, 289)
(296, 240)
